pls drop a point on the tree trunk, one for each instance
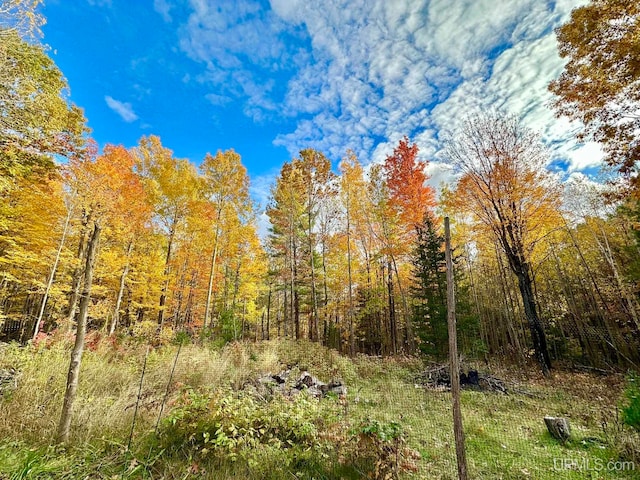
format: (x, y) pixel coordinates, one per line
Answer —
(189, 308)
(236, 287)
(212, 272)
(123, 278)
(78, 347)
(509, 306)
(314, 333)
(535, 326)
(325, 301)
(393, 330)
(244, 315)
(77, 274)
(295, 297)
(268, 313)
(352, 345)
(52, 275)
(165, 285)
(286, 314)
(410, 340)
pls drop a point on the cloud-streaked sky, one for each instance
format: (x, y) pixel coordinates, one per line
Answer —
(269, 78)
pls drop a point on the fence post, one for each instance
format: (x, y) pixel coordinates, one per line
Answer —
(453, 358)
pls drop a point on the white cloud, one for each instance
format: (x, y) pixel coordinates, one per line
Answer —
(218, 100)
(99, 3)
(585, 156)
(440, 174)
(163, 7)
(125, 110)
(240, 45)
(368, 72)
(396, 68)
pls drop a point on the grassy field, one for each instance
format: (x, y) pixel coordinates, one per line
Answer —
(386, 426)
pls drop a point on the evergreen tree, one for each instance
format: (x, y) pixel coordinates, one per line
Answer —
(430, 289)
(429, 294)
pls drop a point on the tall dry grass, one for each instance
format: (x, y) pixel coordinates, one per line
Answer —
(108, 388)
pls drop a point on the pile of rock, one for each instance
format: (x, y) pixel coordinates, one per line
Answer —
(279, 382)
(316, 388)
(8, 380)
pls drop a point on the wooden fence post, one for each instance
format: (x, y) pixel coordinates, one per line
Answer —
(453, 358)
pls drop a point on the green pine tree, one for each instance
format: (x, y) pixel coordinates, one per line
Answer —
(430, 297)
(430, 290)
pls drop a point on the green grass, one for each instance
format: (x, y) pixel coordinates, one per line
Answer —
(505, 434)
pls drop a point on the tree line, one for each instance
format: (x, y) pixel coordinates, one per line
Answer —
(137, 241)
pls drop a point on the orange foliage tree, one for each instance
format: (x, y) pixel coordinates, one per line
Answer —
(506, 188)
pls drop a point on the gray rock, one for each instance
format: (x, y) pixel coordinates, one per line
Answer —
(8, 380)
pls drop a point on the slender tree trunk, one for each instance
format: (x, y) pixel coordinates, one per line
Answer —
(629, 300)
(189, 308)
(352, 336)
(269, 313)
(52, 275)
(123, 278)
(508, 304)
(212, 272)
(325, 301)
(244, 313)
(406, 314)
(296, 313)
(182, 284)
(165, 284)
(286, 313)
(474, 294)
(314, 333)
(393, 329)
(77, 273)
(78, 347)
(225, 295)
(295, 297)
(236, 286)
(282, 322)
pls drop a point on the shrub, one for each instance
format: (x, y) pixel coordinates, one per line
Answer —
(147, 331)
(382, 450)
(231, 425)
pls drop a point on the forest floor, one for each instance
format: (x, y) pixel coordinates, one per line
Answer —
(218, 423)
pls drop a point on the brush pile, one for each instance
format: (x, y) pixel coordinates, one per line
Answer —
(438, 378)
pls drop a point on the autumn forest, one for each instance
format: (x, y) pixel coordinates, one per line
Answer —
(139, 241)
(134, 243)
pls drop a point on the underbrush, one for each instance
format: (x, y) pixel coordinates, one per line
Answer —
(203, 422)
(226, 426)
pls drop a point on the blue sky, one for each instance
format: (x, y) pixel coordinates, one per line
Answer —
(269, 78)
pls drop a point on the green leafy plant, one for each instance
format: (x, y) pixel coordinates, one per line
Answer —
(382, 450)
(232, 425)
(631, 411)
